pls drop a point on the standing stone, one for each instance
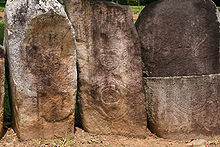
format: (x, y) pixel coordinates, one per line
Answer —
(2, 89)
(111, 94)
(184, 107)
(179, 37)
(42, 61)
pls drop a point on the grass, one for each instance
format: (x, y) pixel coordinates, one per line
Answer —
(63, 142)
(2, 8)
(219, 8)
(137, 9)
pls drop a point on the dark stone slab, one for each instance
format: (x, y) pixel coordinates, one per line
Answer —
(184, 107)
(179, 37)
(42, 59)
(111, 94)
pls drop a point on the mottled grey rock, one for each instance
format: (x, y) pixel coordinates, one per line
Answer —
(198, 143)
(180, 37)
(184, 107)
(111, 94)
(2, 89)
(40, 42)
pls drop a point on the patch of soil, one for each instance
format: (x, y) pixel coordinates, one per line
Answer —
(2, 14)
(135, 16)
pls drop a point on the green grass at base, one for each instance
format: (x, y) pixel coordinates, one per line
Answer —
(219, 8)
(137, 9)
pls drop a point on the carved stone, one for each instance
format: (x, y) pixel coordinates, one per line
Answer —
(2, 89)
(184, 107)
(179, 37)
(42, 61)
(111, 94)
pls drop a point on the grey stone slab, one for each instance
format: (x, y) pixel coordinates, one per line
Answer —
(179, 38)
(41, 50)
(111, 94)
(184, 107)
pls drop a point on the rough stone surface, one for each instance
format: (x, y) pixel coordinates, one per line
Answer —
(198, 143)
(111, 94)
(184, 107)
(40, 42)
(2, 89)
(180, 38)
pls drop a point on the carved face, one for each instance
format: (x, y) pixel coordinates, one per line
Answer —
(109, 59)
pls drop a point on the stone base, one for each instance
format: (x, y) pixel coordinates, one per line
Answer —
(184, 107)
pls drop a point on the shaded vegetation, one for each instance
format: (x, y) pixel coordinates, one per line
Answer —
(137, 9)
(145, 2)
(7, 110)
(1, 31)
(2, 8)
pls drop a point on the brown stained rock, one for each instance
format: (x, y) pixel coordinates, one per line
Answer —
(42, 61)
(179, 37)
(111, 94)
(184, 107)
(2, 89)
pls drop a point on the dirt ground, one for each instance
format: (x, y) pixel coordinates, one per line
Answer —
(2, 15)
(84, 139)
(135, 16)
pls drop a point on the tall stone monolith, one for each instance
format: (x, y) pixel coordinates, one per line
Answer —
(41, 51)
(111, 94)
(179, 38)
(2, 89)
(180, 53)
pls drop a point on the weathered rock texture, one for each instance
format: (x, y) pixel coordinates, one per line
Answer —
(2, 89)
(42, 59)
(111, 94)
(184, 107)
(179, 37)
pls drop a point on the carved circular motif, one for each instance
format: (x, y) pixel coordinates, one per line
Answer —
(109, 101)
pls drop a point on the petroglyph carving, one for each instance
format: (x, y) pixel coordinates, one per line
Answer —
(107, 41)
(109, 59)
(109, 100)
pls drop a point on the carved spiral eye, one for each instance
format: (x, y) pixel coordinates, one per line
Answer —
(110, 101)
(110, 95)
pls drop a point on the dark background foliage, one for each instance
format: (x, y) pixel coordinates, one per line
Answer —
(145, 2)
(131, 2)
